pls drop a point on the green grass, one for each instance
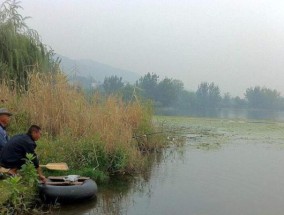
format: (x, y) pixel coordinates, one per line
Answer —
(5, 193)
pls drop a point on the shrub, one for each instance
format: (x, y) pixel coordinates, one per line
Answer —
(23, 190)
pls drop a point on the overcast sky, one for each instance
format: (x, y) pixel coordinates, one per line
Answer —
(234, 43)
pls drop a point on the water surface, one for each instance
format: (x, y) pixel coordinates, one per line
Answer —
(242, 175)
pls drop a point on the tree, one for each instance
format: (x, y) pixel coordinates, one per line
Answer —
(227, 100)
(168, 91)
(130, 93)
(208, 95)
(21, 50)
(186, 102)
(112, 84)
(239, 103)
(263, 98)
(148, 84)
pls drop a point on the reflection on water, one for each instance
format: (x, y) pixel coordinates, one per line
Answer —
(124, 193)
(237, 179)
(77, 208)
(121, 195)
(251, 114)
(242, 113)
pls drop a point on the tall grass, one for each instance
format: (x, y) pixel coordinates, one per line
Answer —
(89, 134)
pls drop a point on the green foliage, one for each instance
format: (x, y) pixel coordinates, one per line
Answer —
(130, 93)
(148, 84)
(163, 93)
(263, 98)
(98, 175)
(186, 101)
(20, 123)
(100, 161)
(14, 183)
(239, 103)
(168, 91)
(227, 100)
(208, 95)
(117, 161)
(112, 84)
(21, 49)
(30, 175)
(23, 190)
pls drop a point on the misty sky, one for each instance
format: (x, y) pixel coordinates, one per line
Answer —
(236, 44)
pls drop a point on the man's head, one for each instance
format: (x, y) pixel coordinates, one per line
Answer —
(35, 132)
(4, 117)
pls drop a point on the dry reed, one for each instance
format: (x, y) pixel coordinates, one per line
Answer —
(94, 133)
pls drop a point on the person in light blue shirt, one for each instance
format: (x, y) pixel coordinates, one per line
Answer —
(4, 122)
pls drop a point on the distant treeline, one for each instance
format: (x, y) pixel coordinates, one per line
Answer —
(170, 96)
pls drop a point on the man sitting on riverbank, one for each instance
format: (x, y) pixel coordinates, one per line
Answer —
(15, 150)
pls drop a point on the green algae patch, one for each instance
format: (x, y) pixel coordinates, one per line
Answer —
(212, 133)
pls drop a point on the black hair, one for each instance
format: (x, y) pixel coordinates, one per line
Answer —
(33, 128)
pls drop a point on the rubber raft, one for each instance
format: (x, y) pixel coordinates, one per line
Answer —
(67, 189)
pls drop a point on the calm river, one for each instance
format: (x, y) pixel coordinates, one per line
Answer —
(235, 167)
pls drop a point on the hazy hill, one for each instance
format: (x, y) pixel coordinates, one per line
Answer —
(88, 71)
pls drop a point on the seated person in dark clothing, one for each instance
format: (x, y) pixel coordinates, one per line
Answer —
(14, 152)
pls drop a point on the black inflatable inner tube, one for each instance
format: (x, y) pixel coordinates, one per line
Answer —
(68, 193)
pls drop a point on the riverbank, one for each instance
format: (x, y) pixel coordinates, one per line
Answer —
(96, 136)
